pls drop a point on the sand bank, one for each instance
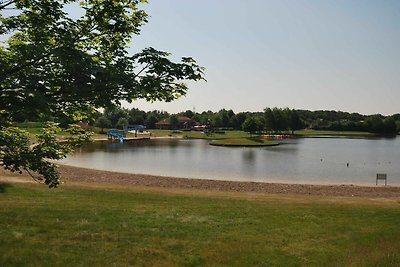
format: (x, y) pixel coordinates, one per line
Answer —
(84, 175)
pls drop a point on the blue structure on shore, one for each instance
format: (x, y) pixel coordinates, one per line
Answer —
(119, 134)
(116, 134)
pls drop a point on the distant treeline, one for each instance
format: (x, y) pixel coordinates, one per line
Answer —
(273, 120)
(344, 121)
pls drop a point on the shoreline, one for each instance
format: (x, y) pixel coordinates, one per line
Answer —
(95, 177)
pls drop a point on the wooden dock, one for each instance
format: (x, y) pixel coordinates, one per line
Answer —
(126, 139)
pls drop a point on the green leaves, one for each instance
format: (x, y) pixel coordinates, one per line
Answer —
(252, 125)
(18, 154)
(14, 138)
(57, 65)
(158, 77)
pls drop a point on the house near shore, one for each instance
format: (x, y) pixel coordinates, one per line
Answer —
(183, 123)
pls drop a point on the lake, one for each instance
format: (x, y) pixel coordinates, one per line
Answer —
(303, 160)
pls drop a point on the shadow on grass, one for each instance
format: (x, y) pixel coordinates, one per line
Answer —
(3, 187)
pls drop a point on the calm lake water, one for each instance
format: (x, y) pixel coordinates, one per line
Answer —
(304, 160)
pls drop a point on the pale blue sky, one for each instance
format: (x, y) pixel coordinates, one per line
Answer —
(336, 55)
(302, 54)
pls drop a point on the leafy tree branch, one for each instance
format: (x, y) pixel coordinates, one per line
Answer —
(18, 153)
(57, 65)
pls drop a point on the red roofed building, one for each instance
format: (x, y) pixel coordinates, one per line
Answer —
(183, 123)
(84, 125)
(163, 124)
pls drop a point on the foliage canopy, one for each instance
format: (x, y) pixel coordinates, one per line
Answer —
(58, 64)
(54, 63)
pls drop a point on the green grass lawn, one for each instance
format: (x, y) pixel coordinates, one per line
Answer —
(35, 127)
(243, 142)
(82, 226)
(200, 135)
(334, 133)
(222, 135)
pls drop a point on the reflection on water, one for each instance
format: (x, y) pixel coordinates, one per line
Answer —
(309, 160)
(249, 156)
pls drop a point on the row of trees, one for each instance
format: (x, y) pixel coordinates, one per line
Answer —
(118, 117)
(271, 120)
(344, 121)
(274, 120)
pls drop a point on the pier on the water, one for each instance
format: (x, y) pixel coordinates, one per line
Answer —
(120, 134)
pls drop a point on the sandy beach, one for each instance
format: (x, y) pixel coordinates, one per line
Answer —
(71, 174)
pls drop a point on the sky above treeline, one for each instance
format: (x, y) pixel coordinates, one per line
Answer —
(302, 54)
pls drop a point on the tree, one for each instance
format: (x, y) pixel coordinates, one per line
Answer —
(280, 119)
(374, 123)
(252, 125)
(390, 125)
(398, 126)
(188, 113)
(151, 121)
(240, 118)
(114, 114)
(197, 117)
(269, 119)
(224, 117)
(18, 153)
(57, 65)
(102, 122)
(137, 116)
(216, 120)
(295, 122)
(174, 122)
(122, 122)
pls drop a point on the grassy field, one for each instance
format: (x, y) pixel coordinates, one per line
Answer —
(201, 135)
(333, 133)
(115, 226)
(243, 142)
(35, 127)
